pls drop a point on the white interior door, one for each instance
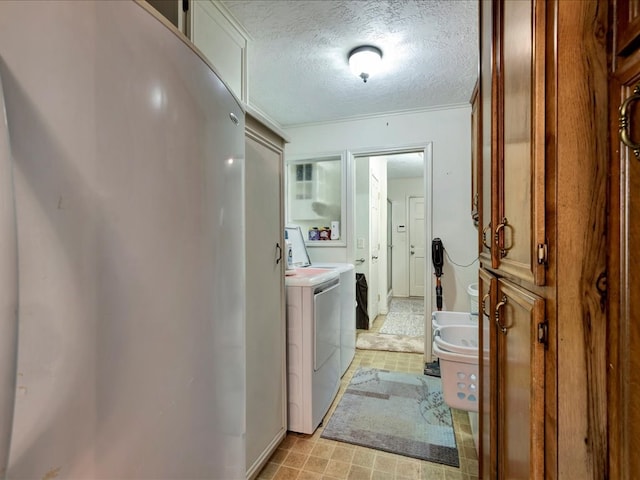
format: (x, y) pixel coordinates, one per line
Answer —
(374, 246)
(416, 247)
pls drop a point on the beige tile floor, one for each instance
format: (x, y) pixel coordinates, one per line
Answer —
(309, 457)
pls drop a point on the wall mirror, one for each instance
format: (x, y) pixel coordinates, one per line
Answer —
(315, 198)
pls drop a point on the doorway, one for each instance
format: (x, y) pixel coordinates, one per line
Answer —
(398, 175)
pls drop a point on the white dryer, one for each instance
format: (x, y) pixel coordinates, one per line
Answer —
(313, 345)
(300, 257)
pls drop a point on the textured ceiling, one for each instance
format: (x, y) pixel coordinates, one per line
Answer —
(297, 58)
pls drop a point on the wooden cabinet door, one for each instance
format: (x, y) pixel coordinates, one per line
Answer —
(265, 318)
(488, 386)
(627, 26)
(624, 248)
(519, 323)
(518, 214)
(485, 129)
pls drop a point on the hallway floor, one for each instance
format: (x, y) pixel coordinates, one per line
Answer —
(309, 457)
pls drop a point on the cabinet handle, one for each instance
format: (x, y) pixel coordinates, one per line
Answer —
(496, 237)
(624, 121)
(484, 236)
(502, 303)
(484, 312)
(278, 253)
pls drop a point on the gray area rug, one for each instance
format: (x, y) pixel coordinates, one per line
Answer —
(401, 323)
(389, 343)
(406, 305)
(395, 412)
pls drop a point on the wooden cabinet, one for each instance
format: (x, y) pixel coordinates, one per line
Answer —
(520, 333)
(265, 322)
(513, 337)
(512, 240)
(514, 204)
(563, 69)
(543, 215)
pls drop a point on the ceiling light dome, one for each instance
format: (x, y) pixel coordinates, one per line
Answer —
(365, 60)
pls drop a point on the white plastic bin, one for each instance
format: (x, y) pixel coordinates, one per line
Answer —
(459, 374)
(442, 318)
(458, 339)
(472, 290)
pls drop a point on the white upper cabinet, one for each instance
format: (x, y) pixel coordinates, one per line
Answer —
(223, 41)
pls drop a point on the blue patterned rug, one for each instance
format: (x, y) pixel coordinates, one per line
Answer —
(395, 412)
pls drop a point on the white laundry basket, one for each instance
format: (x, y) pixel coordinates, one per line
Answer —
(445, 318)
(460, 380)
(442, 318)
(458, 339)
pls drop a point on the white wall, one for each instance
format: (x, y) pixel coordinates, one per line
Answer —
(449, 130)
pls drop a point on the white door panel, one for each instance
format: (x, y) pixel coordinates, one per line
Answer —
(374, 239)
(417, 267)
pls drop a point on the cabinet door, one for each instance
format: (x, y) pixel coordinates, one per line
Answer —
(222, 41)
(624, 244)
(488, 386)
(485, 132)
(518, 216)
(519, 322)
(265, 324)
(627, 27)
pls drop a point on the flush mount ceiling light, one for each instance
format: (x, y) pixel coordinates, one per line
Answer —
(365, 60)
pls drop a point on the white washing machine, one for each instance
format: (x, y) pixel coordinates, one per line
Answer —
(313, 345)
(300, 258)
(347, 311)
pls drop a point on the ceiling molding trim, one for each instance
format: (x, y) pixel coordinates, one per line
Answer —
(267, 121)
(352, 118)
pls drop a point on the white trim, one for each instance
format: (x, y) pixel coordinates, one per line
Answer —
(369, 116)
(428, 281)
(266, 121)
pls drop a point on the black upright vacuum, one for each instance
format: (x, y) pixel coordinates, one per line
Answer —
(437, 257)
